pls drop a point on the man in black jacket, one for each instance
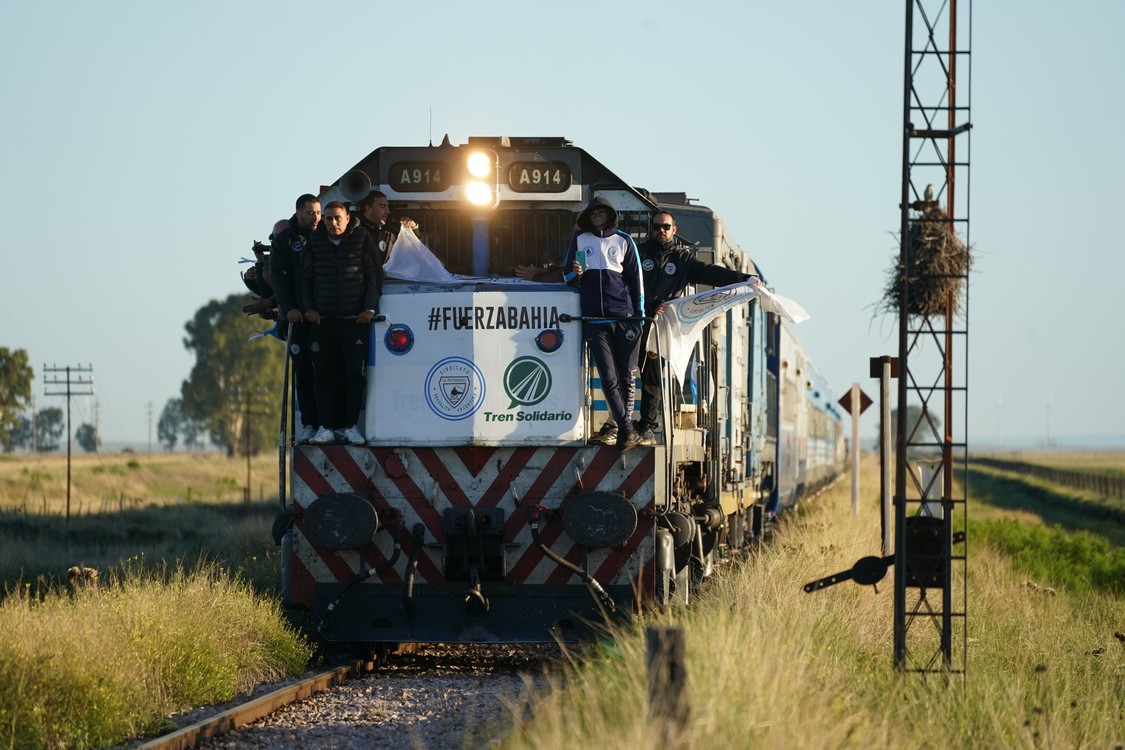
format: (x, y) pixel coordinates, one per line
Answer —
(668, 266)
(288, 245)
(374, 213)
(340, 282)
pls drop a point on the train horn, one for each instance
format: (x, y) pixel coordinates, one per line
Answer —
(355, 185)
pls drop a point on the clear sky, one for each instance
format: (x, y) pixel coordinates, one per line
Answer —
(144, 145)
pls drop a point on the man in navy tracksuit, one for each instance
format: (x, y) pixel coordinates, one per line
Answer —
(603, 262)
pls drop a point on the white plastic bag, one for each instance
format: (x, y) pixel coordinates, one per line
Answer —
(412, 261)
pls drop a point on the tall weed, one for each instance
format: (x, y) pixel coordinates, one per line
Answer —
(96, 664)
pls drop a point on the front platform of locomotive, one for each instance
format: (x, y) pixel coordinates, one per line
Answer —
(477, 512)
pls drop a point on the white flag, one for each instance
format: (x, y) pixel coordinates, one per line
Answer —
(413, 261)
(677, 329)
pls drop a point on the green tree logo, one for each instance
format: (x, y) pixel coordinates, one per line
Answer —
(527, 381)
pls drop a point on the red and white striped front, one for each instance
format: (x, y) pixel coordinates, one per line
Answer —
(416, 485)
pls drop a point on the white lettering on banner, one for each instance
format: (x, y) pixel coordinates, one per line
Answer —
(508, 317)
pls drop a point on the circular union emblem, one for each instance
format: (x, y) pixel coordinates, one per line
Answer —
(297, 246)
(670, 268)
(455, 388)
(697, 308)
(648, 264)
(527, 381)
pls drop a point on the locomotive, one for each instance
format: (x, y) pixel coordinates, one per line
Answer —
(477, 511)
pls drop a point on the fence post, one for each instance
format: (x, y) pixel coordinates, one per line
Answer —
(668, 709)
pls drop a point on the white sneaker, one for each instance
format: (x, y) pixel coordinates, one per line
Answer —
(352, 437)
(323, 436)
(305, 434)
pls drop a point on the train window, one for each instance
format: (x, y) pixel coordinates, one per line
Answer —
(517, 236)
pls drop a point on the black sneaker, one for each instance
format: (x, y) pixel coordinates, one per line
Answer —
(648, 437)
(627, 441)
(607, 435)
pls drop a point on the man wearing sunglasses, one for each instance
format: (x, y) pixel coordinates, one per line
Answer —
(667, 267)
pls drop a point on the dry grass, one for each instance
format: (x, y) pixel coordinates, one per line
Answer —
(1108, 462)
(36, 483)
(164, 507)
(91, 665)
(772, 667)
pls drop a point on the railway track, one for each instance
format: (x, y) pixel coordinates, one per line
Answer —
(429, 697)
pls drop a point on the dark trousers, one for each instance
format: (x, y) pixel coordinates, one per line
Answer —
(652, 395)
(614, 348)
(339, 355)
(303, 379)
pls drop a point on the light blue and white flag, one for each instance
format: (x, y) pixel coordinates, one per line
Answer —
(677, 329)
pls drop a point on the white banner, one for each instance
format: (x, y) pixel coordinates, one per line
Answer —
(678, 328)
(474, 373)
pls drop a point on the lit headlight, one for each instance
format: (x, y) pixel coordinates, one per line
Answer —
(480, 183)
(479, 194)
(479, 164)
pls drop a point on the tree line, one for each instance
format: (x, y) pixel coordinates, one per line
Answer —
(229, 399)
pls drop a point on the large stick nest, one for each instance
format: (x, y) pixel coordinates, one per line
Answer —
(937, 263)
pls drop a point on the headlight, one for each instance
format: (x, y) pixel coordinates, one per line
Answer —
(479, 164)
(480, 184)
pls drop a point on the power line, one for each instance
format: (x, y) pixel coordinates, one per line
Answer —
(73, 378)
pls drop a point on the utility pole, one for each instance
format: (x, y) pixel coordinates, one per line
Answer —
(247, 412)
(73, 378)
(1050, 418)
(148, 414)
(34, 427)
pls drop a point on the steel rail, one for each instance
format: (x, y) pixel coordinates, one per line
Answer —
(231, 719)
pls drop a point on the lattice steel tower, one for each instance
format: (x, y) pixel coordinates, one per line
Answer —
(930, 633)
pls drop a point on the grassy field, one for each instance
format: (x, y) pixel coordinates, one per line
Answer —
(1109, 463)
(769, 666)
(36, 483)
(159, 507)
(89, 664)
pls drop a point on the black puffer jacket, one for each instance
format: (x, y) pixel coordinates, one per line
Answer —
(341, 281)
(287, 249)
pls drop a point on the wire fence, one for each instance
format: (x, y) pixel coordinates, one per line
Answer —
(1111, 487)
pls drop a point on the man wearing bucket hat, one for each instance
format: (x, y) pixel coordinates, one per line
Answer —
(603, 262)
